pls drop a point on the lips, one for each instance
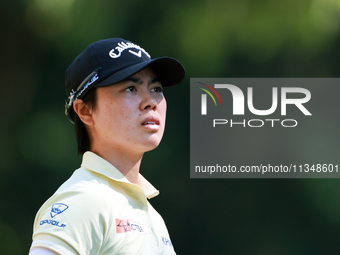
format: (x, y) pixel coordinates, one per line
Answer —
(151, 121)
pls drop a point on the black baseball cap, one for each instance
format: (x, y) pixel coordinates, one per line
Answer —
(110, 61)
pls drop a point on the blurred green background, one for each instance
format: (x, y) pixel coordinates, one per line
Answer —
(212, 38)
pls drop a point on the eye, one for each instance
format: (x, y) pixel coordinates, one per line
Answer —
(158, 89)
(130, 89)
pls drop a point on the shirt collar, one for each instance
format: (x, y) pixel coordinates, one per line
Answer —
(94, 163)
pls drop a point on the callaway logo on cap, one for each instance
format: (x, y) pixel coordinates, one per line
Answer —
(110, 61)
(117, 52)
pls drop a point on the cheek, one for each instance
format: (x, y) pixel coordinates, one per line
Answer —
(125, 110)
(123, 117)
(107, 114)
(162, 108)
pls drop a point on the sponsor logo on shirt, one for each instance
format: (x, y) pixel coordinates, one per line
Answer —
(53, 223)
(57, 209)
(166, 241)
(125, 226)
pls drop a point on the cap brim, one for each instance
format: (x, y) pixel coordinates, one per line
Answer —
(168, 70)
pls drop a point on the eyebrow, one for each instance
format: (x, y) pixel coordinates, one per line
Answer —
(140, 81)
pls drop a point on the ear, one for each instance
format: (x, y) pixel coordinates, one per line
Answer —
(83, 111)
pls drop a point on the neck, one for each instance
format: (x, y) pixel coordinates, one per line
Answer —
(126, 162)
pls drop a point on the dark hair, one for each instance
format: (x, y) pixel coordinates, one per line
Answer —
(82, 136)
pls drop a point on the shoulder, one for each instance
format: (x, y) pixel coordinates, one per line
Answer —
(83, 187)
(84, 196)
(77, 212)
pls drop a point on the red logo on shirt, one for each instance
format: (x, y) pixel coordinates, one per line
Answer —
(124, 226)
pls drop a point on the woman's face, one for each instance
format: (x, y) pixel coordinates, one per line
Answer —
(130, 115)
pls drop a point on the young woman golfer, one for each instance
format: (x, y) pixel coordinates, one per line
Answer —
(117, 104)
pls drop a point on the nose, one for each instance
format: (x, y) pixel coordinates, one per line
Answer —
(148, 101)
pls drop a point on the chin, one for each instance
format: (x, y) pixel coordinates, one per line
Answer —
(151, 147)
(151, 144)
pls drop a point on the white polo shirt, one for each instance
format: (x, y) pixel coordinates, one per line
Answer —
(98, 211)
